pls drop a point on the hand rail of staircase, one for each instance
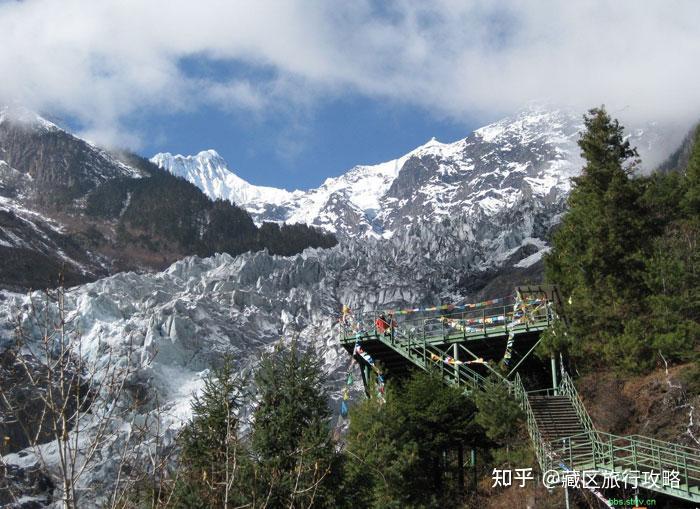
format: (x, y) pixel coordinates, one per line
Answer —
(568, 389)
(632, 453)
(665, 444)
(542, 450)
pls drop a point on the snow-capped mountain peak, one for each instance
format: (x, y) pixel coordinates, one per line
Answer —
(210, 172)
(496, 169)
(22, 115)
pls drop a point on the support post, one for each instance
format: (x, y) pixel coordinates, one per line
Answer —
(554, 373)
(455, 356)
(460, 468)
(472, 461)
(366, 379)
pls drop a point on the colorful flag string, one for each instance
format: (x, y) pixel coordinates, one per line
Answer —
(451, 361)
(448, 307)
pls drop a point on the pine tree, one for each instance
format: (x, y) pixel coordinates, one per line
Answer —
(499, 414)
(598, 256)
(404, 453)
(673, 268)
(213, 459)
(291, 439)
(691, 201)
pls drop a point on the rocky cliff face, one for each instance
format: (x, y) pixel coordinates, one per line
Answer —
(44, 174)
(59, 166)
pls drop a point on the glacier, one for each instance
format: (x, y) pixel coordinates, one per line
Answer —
(447, 222)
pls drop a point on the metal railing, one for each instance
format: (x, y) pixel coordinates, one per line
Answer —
(635, 455)
(429, 358)
(568, 389)
(627, 455)
(452, 325)
(542, 448)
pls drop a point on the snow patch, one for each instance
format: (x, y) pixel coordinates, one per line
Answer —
(532, 259)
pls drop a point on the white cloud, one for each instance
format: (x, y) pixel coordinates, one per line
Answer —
(102, 61)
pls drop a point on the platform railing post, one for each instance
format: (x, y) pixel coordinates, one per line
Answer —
(594, 452)
(366, 373)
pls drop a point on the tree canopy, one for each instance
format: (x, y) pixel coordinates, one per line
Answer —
(625, 256)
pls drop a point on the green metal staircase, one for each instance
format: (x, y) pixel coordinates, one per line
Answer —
(561, 431)
(565, 439)
(556, 418)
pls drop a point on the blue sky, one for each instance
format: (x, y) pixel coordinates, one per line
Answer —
(292, 92)
(279, 151)
(295, 147)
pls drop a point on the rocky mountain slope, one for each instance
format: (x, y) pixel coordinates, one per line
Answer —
(69, 207)
(527, 158)
(43, 171)
(48, 166)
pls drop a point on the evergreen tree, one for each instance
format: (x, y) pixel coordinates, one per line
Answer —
(213, 461)
(291, 439)
(598, 255)
(399, 454)
(499, 414)
(672, 320)
(503, 423)
(691, 200)
(626, 257)
(673, 269)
